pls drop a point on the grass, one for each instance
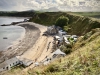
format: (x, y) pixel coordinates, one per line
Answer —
(88, 14)
(85, 56)
(78, 25)
(46, 18)
(84, 61)
(14, 70)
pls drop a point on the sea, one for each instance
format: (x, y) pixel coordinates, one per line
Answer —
(9, 34)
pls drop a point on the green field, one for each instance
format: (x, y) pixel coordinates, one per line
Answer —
(88, 14)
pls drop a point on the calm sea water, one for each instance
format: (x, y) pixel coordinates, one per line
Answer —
(11, 32)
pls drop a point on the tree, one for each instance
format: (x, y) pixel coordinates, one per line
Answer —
(62, 21)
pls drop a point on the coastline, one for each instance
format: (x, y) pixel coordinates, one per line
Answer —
(17, 40)
(36, 46)
(32, 33)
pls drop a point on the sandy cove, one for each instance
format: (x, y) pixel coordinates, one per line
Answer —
(33, 46)
(32, 33)
(40, 50)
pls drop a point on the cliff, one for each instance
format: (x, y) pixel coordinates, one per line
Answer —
(79, 25)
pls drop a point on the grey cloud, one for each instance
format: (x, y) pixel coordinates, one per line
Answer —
(8, 4)
(44, 4)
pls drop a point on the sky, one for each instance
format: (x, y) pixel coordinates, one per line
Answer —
(62, 5)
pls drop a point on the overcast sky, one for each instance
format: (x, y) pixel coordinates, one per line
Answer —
(65, 5)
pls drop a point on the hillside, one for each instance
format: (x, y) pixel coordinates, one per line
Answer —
(79, 24)
(84, 60)
(85, 56)
(88, 14)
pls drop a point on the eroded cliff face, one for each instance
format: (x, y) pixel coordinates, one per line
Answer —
(80, 25)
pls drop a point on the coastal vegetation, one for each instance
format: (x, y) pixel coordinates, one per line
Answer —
(77, 24)
(62, 21)
(88, 14)
(83, 58)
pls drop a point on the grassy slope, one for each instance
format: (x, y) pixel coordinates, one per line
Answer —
(88, 14)
(47, 18)
(84, 61)
(79, 25)
(86, 57)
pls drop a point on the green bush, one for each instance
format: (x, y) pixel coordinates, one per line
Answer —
(65, 49)
(66, 28)
(62, 21)
(53, 68)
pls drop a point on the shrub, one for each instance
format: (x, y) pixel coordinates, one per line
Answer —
(65, 49)
(62, 21)
(53, 68)
(65, 28)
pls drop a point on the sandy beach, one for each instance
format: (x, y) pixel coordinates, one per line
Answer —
(33, 44)
(32, 33)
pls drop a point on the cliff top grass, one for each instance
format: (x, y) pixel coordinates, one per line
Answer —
(83, 61)
(95, 16)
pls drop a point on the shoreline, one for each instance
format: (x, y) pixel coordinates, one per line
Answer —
(17, 40)
(37, 51)
(26, 42)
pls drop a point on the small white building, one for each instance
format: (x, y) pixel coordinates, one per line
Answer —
(25, 62)
(67, 36)
(6, 65)
(51, 30)
(58, 53)
(61, 34)
(74, 36)
(56, 37)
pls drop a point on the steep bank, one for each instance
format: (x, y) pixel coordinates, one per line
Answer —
(31, 35)
(79, 24)
(83, 61)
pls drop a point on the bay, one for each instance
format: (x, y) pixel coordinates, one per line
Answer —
(9, 34)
